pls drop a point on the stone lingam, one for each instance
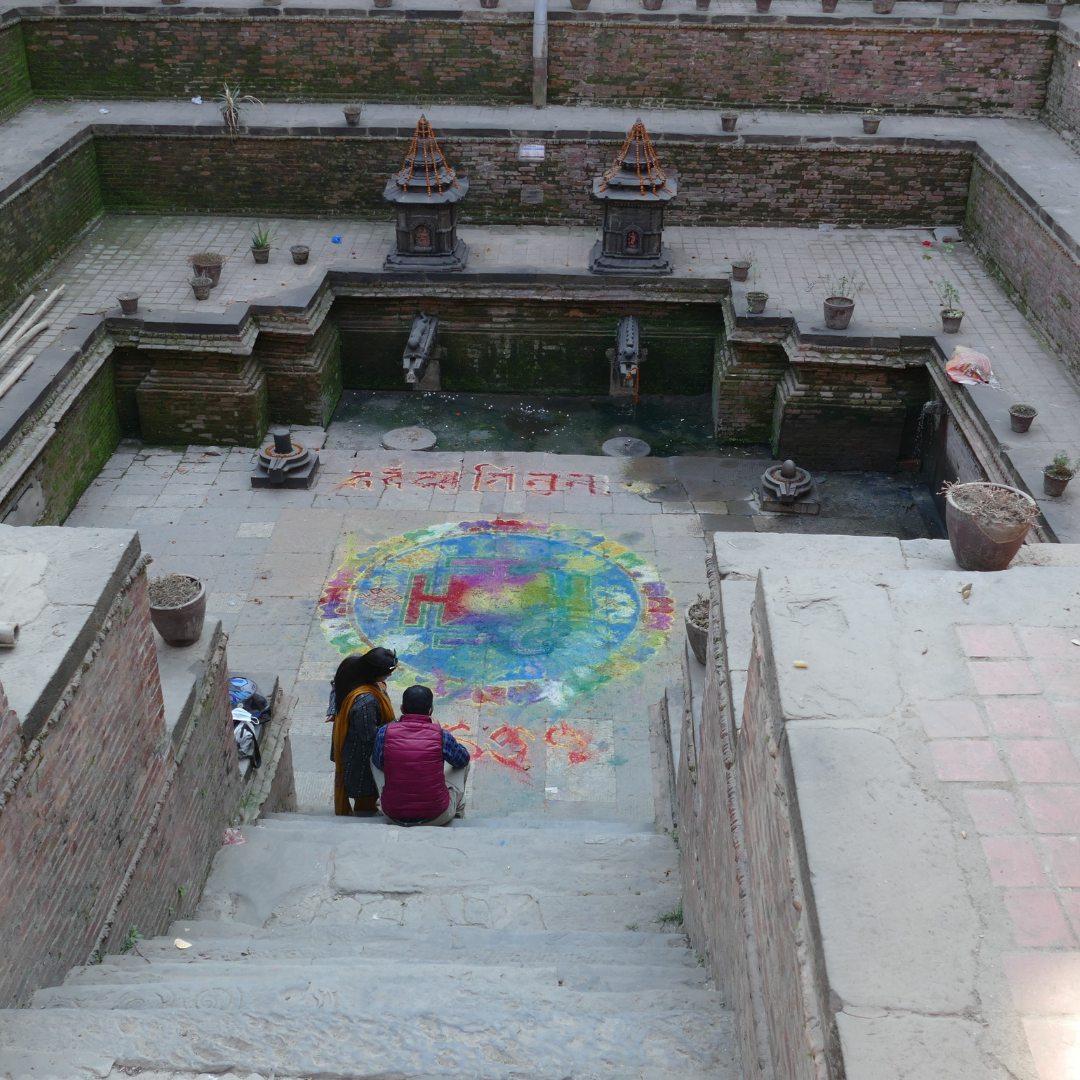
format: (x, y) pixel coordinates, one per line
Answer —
(285, 464)
(634, 191)
(785, 489)
(426, 192)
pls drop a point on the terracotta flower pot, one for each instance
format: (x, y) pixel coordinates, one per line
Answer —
(883, 7)
(383, 3)
(181, 625)
(212, 270)
(950, 321)
(260, 255)
(300, 253)
(870, 125)
(580, 5)
(489, 3)
(948, 7)
(763, 6)
(652, 5)
(701, 5)
(1054, 485)
(983, 545)
(756, 301)
(1054, 10)
(728, 121)
(1021, 416)
(129, 302)
(828, 6)
(740, 270)
(201, 286)
(838, 311)
(352, 115)
(698, 638)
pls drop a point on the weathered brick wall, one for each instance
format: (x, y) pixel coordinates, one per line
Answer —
(719, 183)
(75, 819)
(476, 59)
(1034, 262)
(15, 89)
(39, 221)
(199, 804)
(1063, 89)
(303, 374)
(479, 57)
(920, 68)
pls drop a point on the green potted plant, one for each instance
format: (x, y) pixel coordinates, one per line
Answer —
(951, 312)
(755, 302)
(840, 303)
(1020, 416)
(260, 244)
(871, 117)
(1056, 476)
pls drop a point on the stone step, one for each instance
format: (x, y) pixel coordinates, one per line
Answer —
(459, 971)
(507, 823)
(618, 1037)
(588, 879)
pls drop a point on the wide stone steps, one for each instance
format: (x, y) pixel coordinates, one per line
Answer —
(492, 951)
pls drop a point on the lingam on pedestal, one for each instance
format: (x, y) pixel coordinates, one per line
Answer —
(634, 192)
(426, 192)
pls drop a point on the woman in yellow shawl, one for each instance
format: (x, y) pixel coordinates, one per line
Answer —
(359, 707)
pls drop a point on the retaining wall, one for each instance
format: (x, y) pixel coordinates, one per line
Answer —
(1063, 89)
(15, 89)
(983, 66)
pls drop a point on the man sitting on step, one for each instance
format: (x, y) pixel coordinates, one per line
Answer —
(410, 752)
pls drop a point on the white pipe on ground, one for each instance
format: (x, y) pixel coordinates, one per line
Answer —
(15, 374)
(16, 317)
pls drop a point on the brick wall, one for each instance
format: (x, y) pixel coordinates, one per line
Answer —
(74, 821)
(1043, 271)
(300, 59)
(920, 69)
(1063, 90)
(199, 804)
(487, 58)
(15, 89)
(38, 222)
(719, 183)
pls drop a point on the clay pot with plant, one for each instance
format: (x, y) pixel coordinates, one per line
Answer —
(948, 7)
(728, 121)
(580, 5)
(384, 3)
(1020, 417)
(701, 5)
(260, 244)
(987, 523)
(489, 3)
(207, 264)
(230, 103)
(740, 267)
(762, 6)
(652, 5)
(1054, 10)
(352, 114)
(697, 627)
(883, 7)
(951, 313)
(1057, 475)
(299, 253)
(840, 303)
(178, 608)
(201, 286)
(129, 302)
(871, 120)
(828, 6)
(755, 302)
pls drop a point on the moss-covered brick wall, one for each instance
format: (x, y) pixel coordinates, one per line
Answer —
(39, 221)
(276, 59)
(909, 68)
(538, 346)
(15, 89)
(79, 448)
(720, 183)
(1063, 91)
(479, 57)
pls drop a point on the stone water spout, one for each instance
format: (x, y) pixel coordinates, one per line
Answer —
(420, 349)
(627, 356)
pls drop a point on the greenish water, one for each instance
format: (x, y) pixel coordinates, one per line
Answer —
(577, 424)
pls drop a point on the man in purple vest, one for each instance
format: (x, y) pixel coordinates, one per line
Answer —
(410, 752)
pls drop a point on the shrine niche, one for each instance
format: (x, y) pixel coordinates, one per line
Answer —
(634, 191)
(426, 192)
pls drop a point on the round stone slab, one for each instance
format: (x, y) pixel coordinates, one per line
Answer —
(409, 438)
(625, 446)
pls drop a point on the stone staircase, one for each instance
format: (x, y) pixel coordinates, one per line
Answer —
(348, 948)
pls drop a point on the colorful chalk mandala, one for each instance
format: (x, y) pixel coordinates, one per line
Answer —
(506, 612)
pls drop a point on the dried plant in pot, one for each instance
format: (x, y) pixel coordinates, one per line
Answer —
(652, 5)
(740, 267)
(728, 121)
(755, 302)
(951, 313)
(580, 5)
(178, 608)
(1020, 417)
(260, 244)
(883, 7)
(129, 302)
(1054, 10)
(987, 523)
(701, 5)
(352, 114)
(207, 264)
(201, 286)
(230, 103)
(871, 121)
(762, 6)
(697, 627)
(840, 303)
(1056, 476)
(948, 7)
(299, 253)
(489, 3)
(828, 6)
